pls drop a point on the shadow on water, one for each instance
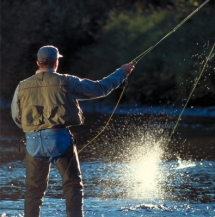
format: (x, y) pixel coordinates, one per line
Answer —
(130, 170)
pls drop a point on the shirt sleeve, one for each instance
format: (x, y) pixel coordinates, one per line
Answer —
(83, 89)
(15, 110)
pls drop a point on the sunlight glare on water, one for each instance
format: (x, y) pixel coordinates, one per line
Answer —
(144, 172)
(146, 167)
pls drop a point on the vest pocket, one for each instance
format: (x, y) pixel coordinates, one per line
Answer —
(57, 114)
(32, 115)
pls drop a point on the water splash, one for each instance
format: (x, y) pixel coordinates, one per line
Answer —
(137, 142)
(144, 173)
(182, 164)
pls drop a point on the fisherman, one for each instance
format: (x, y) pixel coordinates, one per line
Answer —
(44, 106)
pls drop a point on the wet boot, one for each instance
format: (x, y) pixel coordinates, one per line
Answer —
(69, 168)
(75, 214)
(36, 183)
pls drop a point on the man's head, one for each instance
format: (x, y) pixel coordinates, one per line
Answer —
(47, 57)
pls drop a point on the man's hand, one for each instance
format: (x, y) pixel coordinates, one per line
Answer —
(128, 67)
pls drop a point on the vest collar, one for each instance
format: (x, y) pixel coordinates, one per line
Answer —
(45, 70)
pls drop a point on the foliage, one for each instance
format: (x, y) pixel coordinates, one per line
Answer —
(96, 37)
(167, 73)
(27, 25)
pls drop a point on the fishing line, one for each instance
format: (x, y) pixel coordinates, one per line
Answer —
(109, 119)
(136, 60)
(100, 131)
(191, 92)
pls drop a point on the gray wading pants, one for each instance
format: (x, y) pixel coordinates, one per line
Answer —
(37, 173)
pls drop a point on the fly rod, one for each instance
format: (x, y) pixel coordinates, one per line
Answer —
(136, 60)
(139, 57)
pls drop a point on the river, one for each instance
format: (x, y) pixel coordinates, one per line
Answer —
(130, 170)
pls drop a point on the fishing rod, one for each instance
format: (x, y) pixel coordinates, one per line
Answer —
(140, 56)
(136, 60)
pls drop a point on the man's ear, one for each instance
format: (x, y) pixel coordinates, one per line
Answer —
(56, 64)
(37, 62)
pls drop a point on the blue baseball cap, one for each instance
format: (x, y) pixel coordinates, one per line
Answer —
(48, 53)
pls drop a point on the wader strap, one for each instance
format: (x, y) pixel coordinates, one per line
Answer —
(21, 142)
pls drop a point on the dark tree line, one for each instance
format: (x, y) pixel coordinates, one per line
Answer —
(94, 33)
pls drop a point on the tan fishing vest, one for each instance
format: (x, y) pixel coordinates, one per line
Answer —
(45, 102)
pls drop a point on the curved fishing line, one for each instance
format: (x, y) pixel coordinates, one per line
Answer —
(191, 92)
(139, 57)
(108, 121)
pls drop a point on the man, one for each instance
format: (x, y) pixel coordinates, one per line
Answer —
(44, 106)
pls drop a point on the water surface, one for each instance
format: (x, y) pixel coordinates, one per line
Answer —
(128, 171)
